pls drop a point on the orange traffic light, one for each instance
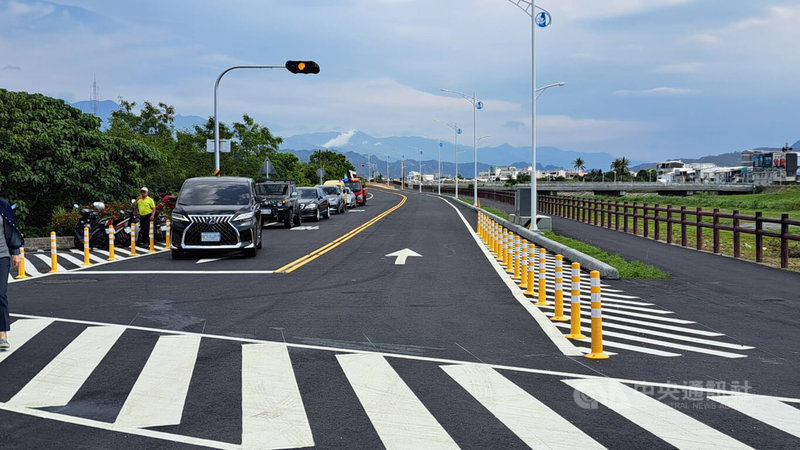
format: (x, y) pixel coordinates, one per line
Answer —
(302, 67)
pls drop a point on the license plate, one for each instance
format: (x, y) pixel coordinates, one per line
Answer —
(209, 237)
(266, 211)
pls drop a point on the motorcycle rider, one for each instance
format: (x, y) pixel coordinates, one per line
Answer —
(147, 213)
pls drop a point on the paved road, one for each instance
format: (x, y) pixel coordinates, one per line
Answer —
(322, 340)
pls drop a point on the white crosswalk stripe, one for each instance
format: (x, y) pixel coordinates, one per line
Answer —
(636, 325)
(672, 426)
(274, 413)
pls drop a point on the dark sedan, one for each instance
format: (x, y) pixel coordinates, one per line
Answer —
(313, 203)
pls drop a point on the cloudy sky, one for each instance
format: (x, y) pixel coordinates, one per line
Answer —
(646, 79)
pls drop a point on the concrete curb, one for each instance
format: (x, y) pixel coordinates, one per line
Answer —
(586, 261)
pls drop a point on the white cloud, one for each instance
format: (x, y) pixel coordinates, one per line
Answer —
(680, 68)
(657, 92)
(339, 141)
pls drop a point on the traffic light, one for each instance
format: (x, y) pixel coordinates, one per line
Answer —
(302, 66)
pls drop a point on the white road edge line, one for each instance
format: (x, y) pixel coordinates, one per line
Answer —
(558, 339)
(411, 357)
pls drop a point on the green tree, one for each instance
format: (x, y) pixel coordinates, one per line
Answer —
(334, 164)
(621, 167)
(579, 164)
(53, 155)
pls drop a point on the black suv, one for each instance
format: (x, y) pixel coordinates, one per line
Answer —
(216, 213)
(279, 201)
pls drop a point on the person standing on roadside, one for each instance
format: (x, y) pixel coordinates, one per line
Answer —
(147, 213)
(10, 243)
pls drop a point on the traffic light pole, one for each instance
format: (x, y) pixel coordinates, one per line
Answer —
(291, 66)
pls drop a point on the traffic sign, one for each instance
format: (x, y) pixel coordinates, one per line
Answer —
(543, 19)
(479, 105)
(224, 145)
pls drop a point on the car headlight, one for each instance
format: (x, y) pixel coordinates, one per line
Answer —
(244, 216)
(311, 206)
(179, 217)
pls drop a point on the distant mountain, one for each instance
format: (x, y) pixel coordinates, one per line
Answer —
(408, 147)
(106, 107)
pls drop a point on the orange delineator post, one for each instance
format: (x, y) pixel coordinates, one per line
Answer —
(531, 271)
(575, 307)
(86, 260)
(517, 259)
(597, 319)
(21, 274)
(509, 261)
(523, 264)
(152, 238)
(111, 243)
(559, 291)
(53, 253)
(133, 239)
(168, 237)
(542, 278)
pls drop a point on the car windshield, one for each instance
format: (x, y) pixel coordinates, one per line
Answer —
(309, 194)
(354, 185)
(271, 189)
(217, 193)
(331, 190)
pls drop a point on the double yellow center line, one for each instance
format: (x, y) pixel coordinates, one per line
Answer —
(300, 262)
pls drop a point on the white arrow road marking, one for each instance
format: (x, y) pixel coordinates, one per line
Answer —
(304, 228)
(403, 254)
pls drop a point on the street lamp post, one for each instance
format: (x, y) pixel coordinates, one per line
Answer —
(439, 169)
(291, 66)
(542, 19)
(420, 171)
(456, 132)
(476, 105)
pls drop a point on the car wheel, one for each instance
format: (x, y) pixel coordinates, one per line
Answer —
(260, 236)
(316, 219)
(287, 220)
(298, 219)
(327, 213)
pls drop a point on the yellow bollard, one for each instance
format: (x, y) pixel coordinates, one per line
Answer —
(575, 307)
(496, 240)
(86, 260)
(53, 253)
(168, 243)
(559, 291)
(21, 273)
(597, 319)
(517, 259)
(152, 238)
(542, 278)
(111, 243)
(523, 282)
(531, 271)
(509, 251)
(133, 239)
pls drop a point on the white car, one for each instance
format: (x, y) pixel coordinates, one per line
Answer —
(351, 198)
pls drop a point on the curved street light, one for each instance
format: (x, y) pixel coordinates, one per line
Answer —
(456, 132)
(537, 20)
(476, 105)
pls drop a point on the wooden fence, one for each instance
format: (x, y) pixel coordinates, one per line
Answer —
(659, 222)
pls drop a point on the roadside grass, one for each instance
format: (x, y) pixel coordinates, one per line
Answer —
(627, 269)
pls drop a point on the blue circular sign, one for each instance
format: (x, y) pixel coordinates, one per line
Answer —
(479, 105)
(543, 19)
(458, 131)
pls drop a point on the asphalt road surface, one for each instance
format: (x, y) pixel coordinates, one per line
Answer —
(322, 340)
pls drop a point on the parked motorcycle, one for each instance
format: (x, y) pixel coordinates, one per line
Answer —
(94, 218)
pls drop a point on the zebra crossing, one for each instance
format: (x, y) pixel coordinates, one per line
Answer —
(631, 324)
(39, 263)
(272, 409)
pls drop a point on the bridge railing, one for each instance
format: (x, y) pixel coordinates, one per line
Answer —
(736, 234)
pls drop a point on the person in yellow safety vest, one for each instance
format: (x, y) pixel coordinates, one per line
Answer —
(147, 212)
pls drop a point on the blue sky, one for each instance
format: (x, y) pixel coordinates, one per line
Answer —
(646, 79)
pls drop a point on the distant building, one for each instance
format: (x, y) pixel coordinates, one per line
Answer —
(763, 167)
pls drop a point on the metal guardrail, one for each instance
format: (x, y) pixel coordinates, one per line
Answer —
(643, 187)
